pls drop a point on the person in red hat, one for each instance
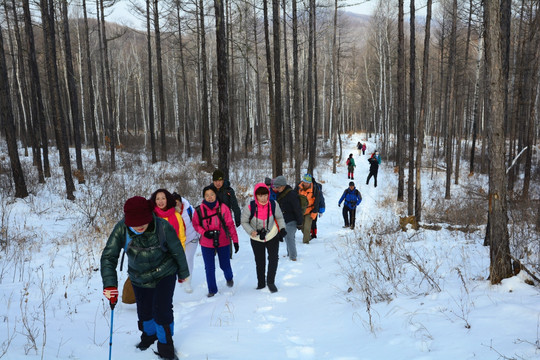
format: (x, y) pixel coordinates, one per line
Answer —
(155, 260)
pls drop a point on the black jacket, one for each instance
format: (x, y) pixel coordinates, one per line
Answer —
(373, 165)
(227, 196)
(290, 205)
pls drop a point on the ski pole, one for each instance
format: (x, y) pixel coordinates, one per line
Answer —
(110, 336)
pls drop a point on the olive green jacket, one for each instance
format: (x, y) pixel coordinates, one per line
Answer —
(148, 261)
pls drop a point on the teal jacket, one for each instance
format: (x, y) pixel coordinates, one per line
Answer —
(148, 261)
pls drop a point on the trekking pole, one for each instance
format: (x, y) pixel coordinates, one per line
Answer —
(110, 336)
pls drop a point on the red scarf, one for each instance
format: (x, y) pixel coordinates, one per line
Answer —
(170, 215)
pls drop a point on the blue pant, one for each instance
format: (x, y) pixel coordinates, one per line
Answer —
(155, 305)
(224, 256)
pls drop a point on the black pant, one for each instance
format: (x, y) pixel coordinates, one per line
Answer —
(374, 174)
(349, 215)
(259, 250)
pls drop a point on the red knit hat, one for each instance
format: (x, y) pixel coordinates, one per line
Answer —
(137, 211)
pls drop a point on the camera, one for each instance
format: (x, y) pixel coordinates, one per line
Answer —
(214, 235)
(262, 234)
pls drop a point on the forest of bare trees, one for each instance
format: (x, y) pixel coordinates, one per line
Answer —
(217, 80)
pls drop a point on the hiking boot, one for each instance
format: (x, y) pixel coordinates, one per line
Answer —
(230, 283)
(352, 227)
(345, 226)
(166, 351)
(260, 286)
(146, 341)
(210, 295)
(272, 288)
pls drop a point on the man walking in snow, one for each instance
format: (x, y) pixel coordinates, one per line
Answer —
(225, 194)
(352, 198)
(289, 203)
(374, 162)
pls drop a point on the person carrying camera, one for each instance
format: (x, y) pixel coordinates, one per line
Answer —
(263, 220)
(213, 220)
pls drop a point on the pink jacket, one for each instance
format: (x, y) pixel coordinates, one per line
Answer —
(210, 221)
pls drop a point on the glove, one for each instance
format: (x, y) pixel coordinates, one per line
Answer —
(236, 247)
(181, 280)
(339, 205)
(282, 234)
(299, 227)
(111, 293)
(237, 223)
(209, 234)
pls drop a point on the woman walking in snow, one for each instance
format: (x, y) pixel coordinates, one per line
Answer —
(164, 207)
(192, 237)
(213, 220)
(350, 167)
(263, 220)
(155, 259)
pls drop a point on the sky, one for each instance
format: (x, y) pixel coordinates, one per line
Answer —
(123, 15)
(54, 308)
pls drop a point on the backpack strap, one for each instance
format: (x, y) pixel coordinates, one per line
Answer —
(161, 237)
(190, 212)
(253, 207)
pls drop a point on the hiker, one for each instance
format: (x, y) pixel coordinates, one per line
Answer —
(352, 198)
(225, 194)
(164, 207)
(350, 167)
(268, 183)
(192, 237)
(309, 194)
(263, 221)
(213, 220)
(322, 208)
(155, 259)
(289, 204)
(364, 149)
(374, 162)
(359, 147)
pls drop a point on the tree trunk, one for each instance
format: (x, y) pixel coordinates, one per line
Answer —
(161, 95)
(47, 16)
(449, 106)
(38, 112)
(6, 119)
(223, 94)
(422, 117)
(72, 90)
(296, 95)
(500, 263)
(412, 110)
(151, 119)
(277, 140)
(401, 116)
(205, 136)
(90, 87)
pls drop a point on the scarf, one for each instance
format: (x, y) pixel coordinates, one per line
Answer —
(170, 215)
(210, 205)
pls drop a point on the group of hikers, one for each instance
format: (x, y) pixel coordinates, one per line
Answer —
(351, 196)
(160, 236)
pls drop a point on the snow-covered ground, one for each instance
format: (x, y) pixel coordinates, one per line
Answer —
(436, 305)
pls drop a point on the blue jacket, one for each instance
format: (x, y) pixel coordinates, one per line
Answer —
(352, 198)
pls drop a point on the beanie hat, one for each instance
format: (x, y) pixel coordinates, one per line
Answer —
(280, 181)
(267, 181)
(218, 175)
(351, 183)
(209, 187)
(308, 178)
(137, 211)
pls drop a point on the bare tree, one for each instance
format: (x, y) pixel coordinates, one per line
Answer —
(223, 95)
(500, 263)
(7, 122)
(401, 116)
(422, 116)
(412, 108)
